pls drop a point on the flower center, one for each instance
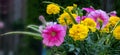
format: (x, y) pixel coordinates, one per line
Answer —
(99, 20)
(53, 33)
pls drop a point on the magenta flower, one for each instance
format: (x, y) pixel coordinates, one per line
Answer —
(78, 18)
(53, 35)
(88, 10)
(99, 15)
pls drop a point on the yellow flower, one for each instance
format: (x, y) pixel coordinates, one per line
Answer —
(53, 9)
(70, 8)
(106, 28)
(78, 32)
(90, 23)
(116, 32)
(66, 16)
(113, 20)
(75, 5)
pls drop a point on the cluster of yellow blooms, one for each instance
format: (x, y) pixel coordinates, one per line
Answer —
(112, 22)
(116, 32)
(66, 16)
(53, 9)
(80, 31)
(106, 28)
(90, 23)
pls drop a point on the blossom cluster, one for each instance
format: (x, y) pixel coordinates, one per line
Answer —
(94, 20)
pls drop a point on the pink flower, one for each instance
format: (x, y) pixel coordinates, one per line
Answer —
(78, 19)
(42, 27)
(113, 13)
(88, 10)
(99, 15)
(53, 35)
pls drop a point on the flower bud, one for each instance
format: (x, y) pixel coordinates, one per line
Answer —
(1, 25)
(42, 19)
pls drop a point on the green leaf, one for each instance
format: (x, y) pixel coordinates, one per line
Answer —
(34, 35)
(47, 2)
(79, 11)
(33, 27)
(71, 49)
(78, 49)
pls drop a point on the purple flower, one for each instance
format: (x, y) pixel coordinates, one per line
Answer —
(113, 13)
(42, 19)
(53, 35)
(99, 15)
(88, 10)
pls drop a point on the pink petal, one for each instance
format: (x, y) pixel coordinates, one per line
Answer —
(88, 10)
(99, 14)
(49, 39)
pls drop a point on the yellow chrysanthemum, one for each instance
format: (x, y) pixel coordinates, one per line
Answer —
(106, 28)
(90, 23)
(116, 32)
(78, 32)
(53, 9)
(113, 20)
(66, 16)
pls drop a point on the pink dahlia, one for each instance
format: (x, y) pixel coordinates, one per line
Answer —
(99, 15)
(53, 35)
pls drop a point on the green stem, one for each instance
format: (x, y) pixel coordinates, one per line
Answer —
(115, 26)
(73, 19)
(33, 27)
